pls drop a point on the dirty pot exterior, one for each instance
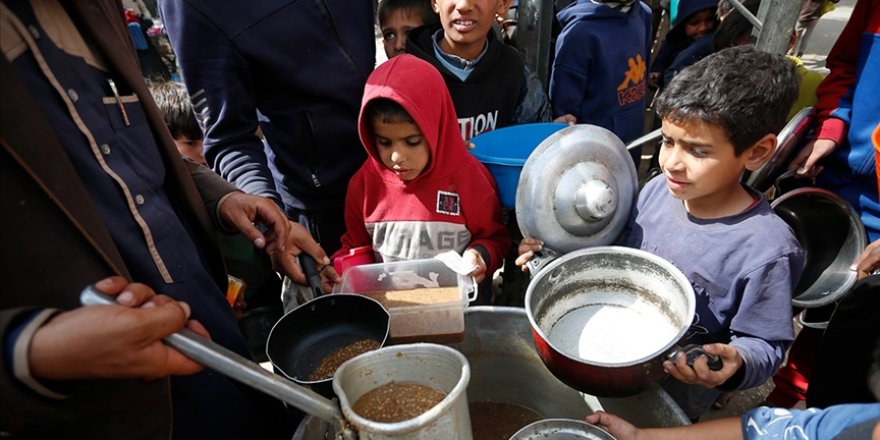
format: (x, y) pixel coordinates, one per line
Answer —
(433, 365)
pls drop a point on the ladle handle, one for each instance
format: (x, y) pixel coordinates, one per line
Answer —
(235, 366)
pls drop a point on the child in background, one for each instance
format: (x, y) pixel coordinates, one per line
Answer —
(173, 101)
(398, 17)
(703, 47)
(602, 80)
(719, 118)
(420, 193)
(261, 291)
(489, 84)
(736, 30)
(693, 20)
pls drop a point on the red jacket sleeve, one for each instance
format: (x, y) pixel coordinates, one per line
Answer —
(355, 230)
(484, 222)
(841, 62)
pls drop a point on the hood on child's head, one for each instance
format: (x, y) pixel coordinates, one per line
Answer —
(687, 8)
(419, 88)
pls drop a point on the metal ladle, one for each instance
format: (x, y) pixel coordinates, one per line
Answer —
(215, 356)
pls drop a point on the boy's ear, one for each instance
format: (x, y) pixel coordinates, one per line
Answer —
(503, 7)
(435, 7)
(760, 152)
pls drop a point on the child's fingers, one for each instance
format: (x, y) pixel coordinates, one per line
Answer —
(524, 258)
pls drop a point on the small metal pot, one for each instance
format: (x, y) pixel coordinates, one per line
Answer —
(433, 365)
(605, 318)
(832, 236)
(562, 429)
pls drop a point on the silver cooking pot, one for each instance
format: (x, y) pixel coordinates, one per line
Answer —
(832, 236)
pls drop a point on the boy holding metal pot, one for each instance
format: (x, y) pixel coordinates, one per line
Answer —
(720, 118)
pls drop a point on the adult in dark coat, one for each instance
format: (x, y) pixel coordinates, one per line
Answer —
(296, 71)
(101, 371)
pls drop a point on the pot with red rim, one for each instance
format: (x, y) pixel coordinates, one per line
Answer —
(605, 318)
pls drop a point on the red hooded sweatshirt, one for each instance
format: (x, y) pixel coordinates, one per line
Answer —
(452, 204)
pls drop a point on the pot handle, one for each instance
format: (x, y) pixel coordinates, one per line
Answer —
(308, 264)
(694, 350)
(541, 259)
(652, 136)
(246, 371)
(473, 291)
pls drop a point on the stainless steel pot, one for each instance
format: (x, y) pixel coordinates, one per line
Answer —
(832, 236)
(562, 429)
(433, 365)
(604, 318)
(505, 368)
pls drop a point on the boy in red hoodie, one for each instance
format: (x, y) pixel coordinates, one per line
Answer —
(420, 193)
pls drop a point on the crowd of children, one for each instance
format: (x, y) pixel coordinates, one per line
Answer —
(449, 77)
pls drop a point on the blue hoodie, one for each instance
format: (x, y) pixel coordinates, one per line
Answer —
(676, 41)
(599, 73)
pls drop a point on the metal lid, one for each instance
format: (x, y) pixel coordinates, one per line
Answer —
(576, 189)
(562, 429)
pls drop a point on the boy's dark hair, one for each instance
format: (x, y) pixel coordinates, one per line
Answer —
(173, 101)
(745, 91)
(734, 26)
(419, 7)
(387, 111)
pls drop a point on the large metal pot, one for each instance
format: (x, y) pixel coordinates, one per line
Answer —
(506, 369)
(604, 318)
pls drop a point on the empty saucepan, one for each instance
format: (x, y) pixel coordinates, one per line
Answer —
(832, 236)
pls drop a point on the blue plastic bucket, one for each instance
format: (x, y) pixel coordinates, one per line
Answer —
(504, 152)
